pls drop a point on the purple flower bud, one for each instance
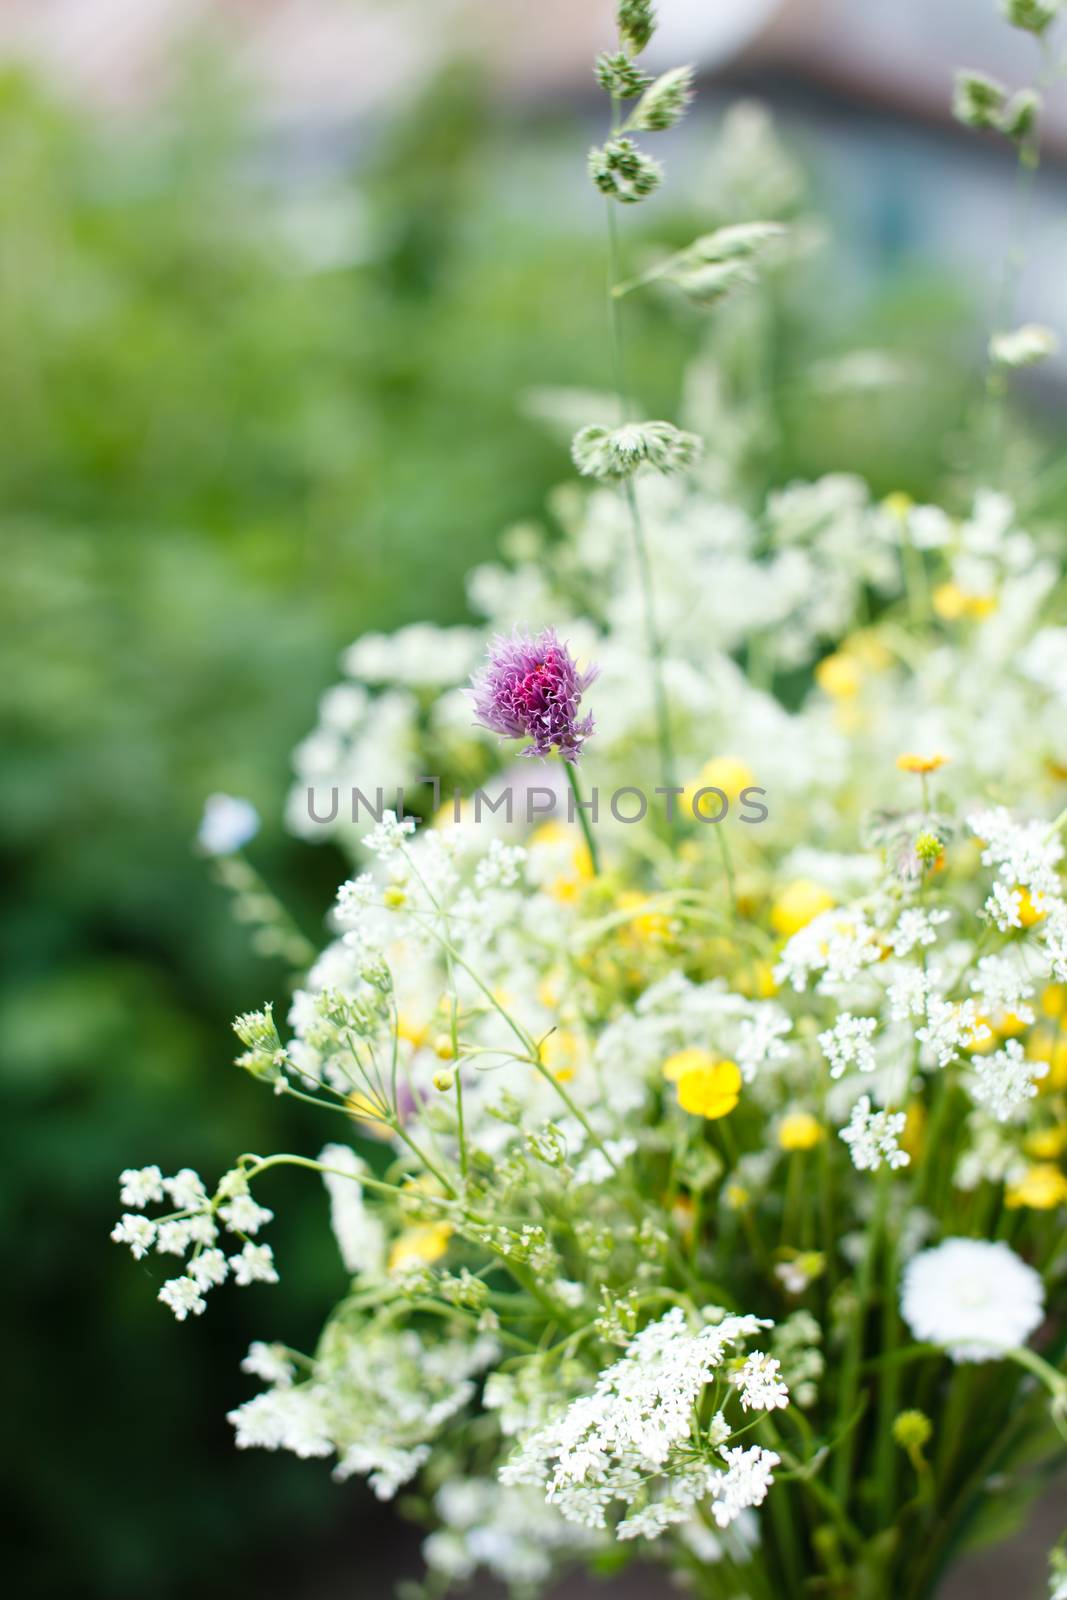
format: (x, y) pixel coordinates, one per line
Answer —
(531, 689)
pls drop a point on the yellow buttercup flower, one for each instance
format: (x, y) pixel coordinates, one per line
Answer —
(561, 1053)
(646, 926)
(1042, 1187)
(1050, 1047)
(710, 1091)
(799, 903)
(1054, 999)
(911, 1140)
(411, 1030)
(420, 1246)
(799, 1131)
(363, 1108)
(920, 765)
(1047, 1143)
(1029, 913)
(839, 676)
(690, 1060)
(723, 772)
(951, 602)
(577, 862)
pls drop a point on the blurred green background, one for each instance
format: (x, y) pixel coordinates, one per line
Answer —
(259, 399)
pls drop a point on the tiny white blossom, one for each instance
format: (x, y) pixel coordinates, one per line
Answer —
(874, 1136)
(242, 1214)
(175, 1237)
(269, 1362)
(760, 1383)
(745, 1484)
(139, 1185)
(138, 1232)
(387, 838)
(255, 1264)
(909, 993)
(848, 1044)
(915, 928)
(950, 1025)
(183, 1296)
(208, 1268)
(186, 1190)
(1005, 1080)
(501, 867)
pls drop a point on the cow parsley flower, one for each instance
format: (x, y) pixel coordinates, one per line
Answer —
(532, 689)
(1005, 1080)
(138, 1232)
(600, 452)
(848, 1044)
(242, 1214)
(208, 1269)
(745, 1484)
(255, 1264)
(606, 1445)
(183, 1296)
(874, 1136)
(140, 1185)
(186, 1190)
(760, 1382)
(269, 1362)
(974, 1296)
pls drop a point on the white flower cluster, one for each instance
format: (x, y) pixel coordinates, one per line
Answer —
(631, 1441)
(374, 1396)
(874, 1136)
(192, 1226)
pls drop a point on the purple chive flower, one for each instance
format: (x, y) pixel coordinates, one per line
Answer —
(531, 689)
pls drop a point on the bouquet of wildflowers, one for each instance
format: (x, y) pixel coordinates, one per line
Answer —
(697, 1090)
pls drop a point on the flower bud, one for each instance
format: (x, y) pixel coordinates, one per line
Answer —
(618, 76)
(1032, 15)
(623, 172)
(978, 100)
(637, 23)
(444, 1082)
(664, 103)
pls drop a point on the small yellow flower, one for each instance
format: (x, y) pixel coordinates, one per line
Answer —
(363, 1108)
(1029, 913)
(920, 765)
(649, 927)
(419, 1246)
(561, 1053)
(1047, 1143)
(799, 1131)
(710, 1091)
(839, 676)
(736, 1195)
(728, 773)
(911, 1140)
(952, 603)
(690, 1060)
(1041, 1187)
(799, 903)
(898, 503)
(576, 860)
(407, 1028)
(1049, 1046)
(1054, 1000)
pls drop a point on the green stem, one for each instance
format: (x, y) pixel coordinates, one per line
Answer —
(571, 769)
(653, 642)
